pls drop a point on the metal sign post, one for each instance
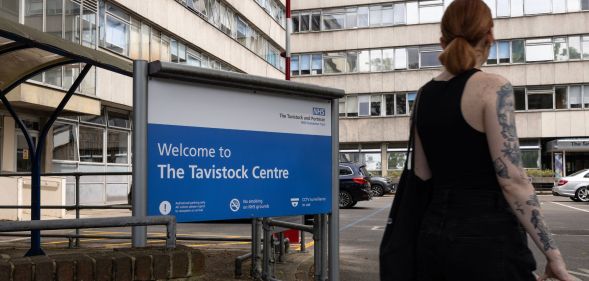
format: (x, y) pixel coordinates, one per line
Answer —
(139, 187)
(333, 243)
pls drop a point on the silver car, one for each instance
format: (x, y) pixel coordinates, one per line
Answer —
(575, 186)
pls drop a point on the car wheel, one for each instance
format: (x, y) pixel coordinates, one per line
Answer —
(354, 203)
(345, 199)
(582, 194)
(574, 198)
(377, 190)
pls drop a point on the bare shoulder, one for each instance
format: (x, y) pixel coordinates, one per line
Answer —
(489, 85)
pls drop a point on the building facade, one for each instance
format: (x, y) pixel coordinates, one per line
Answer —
(94, 133)
(382, 52)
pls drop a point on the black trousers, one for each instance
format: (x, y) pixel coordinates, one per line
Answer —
(472, 235)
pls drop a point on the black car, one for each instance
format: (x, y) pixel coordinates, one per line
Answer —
(354, 184)
(381, 185)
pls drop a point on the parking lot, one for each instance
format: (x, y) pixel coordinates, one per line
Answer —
(362, 229)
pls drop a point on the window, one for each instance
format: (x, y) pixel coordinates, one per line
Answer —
(241, 31)
(145, 38)
(584, 5)
(363, 18)
(586, 96)
(316, 22)
(305, 63)
(117, 30)
(531, 158)
(295, 23)
(561, 97)
(305, 22)
(575, 97)
(135, 40)
(387, 59)
(333, 19)
(118, 119)
(117, 147)
(33, 11)
(492, 59)
(411, 99)
(53, 17)
(504, 51)
(9, 9)
(351, 18)
(389, 105)
(400, 58)
(372, 161)
(518, 54)
(364, 61)
(431, 11)
(517, 8)
(399, 16)
(413, 58)
(561, 49)
(375, 16)
(194, 59)
(363, 105)
(342, 107)
(412, 13)
(352, 106)
(520, 98)
(174, 50)
(375, 105)
(387, 15)
(573, 5)
(91, 144)
(316, 64)
(344, 171)
(334, 62)
(375, 60)
(559, 6)
(401, 106)
(429, 56)
(294, 65)
(503, 9)
(585, 47)
(352, 61)
(540, 99)
(396, 159)
(539, 50)
(65, 142)
(533, 7)
(574, 47)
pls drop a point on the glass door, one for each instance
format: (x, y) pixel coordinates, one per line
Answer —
(23, 153)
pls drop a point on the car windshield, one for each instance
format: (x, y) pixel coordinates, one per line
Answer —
(364, 172)
(577, 173)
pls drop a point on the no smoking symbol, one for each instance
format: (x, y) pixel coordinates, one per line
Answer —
(234, 205)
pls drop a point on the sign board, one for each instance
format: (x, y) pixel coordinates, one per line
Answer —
(218, 153)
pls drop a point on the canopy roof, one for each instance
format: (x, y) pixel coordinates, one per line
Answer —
(25, 51)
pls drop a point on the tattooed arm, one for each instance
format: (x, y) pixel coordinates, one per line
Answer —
(499, 123)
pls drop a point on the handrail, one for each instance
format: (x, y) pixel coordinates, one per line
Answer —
(168, 221)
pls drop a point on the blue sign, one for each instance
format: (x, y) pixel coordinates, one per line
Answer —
(213, 160)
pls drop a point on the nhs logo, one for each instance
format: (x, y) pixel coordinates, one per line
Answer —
(319, 111)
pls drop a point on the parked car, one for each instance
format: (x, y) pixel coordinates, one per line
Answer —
(575, 186)
(381, 185)
(354, 184)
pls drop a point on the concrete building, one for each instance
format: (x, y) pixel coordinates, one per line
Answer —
(94, 134)
(382, 51)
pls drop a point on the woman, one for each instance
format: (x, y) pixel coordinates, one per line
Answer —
(466, 142)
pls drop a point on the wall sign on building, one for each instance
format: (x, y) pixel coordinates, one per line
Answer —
(219, 152)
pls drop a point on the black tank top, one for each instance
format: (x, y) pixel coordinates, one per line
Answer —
(458, 155)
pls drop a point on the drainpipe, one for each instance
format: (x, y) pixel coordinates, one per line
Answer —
(288, 32)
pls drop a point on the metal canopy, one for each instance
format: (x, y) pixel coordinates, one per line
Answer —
(25, 51)
(239, 80)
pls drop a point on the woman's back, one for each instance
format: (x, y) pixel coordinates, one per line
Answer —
(458, 154)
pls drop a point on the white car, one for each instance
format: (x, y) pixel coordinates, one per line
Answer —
(575, 186)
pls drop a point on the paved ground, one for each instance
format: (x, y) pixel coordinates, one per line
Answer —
(361, 232)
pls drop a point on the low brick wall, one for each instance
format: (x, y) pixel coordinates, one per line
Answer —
(182, 263)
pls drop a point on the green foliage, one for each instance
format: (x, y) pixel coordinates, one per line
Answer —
(540, 173)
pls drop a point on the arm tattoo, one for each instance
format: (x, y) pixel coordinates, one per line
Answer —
(506, 116)
(533, 201)
(501, 168)
(545, 237)
(519, 207)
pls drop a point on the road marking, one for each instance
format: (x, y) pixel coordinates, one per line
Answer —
(584, 270)
(307, 246)
(14, 240)
(67, 241)
(377, 228)
(574, 208)
(218, 244)
(363, 219)
(578, 273)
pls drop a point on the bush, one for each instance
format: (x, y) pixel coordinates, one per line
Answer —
(540, 173)
(394, 173)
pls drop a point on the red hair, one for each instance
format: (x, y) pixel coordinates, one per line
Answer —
(464, 25)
